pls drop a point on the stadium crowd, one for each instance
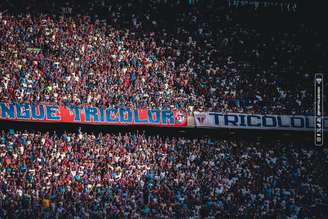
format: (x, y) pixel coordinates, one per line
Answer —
(164, 55)
(133, 175)
(201, 58)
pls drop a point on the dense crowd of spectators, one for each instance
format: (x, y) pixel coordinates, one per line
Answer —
(133, 175)
(204, 56)
(157, 55)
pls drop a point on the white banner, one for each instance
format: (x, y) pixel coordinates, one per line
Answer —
(255, 121)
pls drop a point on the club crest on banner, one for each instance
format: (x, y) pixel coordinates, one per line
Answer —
(201, 118)
(180, 117)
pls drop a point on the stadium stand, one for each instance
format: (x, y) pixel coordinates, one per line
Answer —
(133, 175)
(193, 56)
(201, 58)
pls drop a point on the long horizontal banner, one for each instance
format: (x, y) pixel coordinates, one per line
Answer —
(91, 115)
(252, 121)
